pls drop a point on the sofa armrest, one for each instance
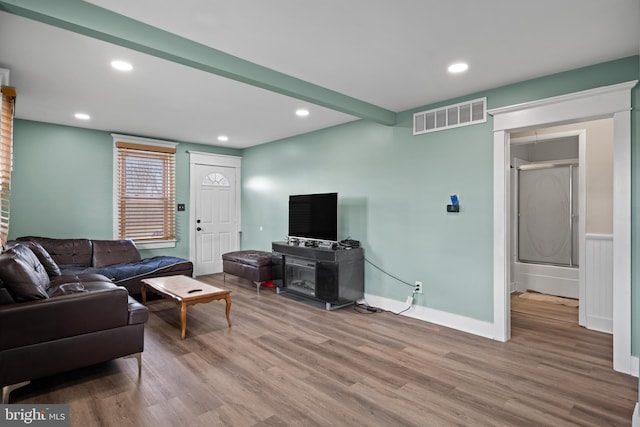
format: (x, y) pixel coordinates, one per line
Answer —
(64, 316)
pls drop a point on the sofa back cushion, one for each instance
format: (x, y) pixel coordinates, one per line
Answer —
(111, 252)
(23, 274)
(65, 251)
(44, 257)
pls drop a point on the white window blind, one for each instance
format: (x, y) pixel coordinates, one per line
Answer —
(6, 157)
(146, 192)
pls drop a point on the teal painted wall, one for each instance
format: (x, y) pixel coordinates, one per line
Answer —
(394, 187)
(62, 184)
(393, 190)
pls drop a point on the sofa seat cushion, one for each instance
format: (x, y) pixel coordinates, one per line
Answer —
(64, 316)
(76, 283)
(23, 275)
(249, 257)
(138, 313)
(120, 272)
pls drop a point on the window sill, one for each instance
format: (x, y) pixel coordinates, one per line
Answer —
(155, 244)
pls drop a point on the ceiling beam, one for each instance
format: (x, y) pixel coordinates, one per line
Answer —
(93, 21)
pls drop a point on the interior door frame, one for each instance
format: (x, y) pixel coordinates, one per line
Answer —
(608, 101)
(209, 159)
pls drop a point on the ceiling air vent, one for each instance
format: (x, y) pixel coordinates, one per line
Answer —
(451, 116)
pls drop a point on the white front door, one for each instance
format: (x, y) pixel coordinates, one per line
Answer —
(216, 222)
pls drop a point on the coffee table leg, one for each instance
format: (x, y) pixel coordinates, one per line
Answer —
(143, 292)
(228, 309)
(183, 320)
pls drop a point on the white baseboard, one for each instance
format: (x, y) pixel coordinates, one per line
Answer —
(600, 324)
(450, 320)
(634, 366)
(635, 419)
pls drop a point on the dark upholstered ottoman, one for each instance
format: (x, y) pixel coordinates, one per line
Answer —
(251, 265)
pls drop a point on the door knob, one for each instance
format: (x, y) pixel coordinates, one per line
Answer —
(198, 221)
(199, 229)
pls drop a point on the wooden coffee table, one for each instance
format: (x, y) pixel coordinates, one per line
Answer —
(184, 291)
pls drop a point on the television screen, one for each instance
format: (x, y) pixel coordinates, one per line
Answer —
(314, 216)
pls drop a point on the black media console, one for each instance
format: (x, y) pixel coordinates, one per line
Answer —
(333, 276)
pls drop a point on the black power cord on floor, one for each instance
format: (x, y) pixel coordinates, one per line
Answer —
(365, 308)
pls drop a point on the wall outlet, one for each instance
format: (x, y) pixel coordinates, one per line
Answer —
(418, 287)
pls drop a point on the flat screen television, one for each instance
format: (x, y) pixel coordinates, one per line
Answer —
(314, 216)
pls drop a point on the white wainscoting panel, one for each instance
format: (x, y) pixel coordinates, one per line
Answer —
(599, 282)
(547, 279)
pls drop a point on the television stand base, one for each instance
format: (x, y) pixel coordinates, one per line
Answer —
(332, 277)
(297, 296)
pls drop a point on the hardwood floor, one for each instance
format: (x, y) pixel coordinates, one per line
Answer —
(288, 363)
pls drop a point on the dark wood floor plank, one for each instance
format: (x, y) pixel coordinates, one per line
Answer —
(284, 362)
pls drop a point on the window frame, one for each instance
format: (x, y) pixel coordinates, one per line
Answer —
(146, 243)
(7, 114)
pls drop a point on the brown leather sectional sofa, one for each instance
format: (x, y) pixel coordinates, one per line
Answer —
(119, 260)
(59, 312)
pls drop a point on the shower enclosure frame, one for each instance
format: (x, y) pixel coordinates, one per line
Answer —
(570, 164)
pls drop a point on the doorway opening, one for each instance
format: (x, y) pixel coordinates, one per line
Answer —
(604, 102)
(561, 222)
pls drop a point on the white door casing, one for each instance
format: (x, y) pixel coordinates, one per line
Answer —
(609, 101)
(214, 210)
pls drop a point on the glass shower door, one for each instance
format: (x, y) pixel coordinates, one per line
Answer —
(547, 214)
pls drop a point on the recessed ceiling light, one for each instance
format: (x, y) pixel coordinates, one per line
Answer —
(82, 116)
(223, 138)
(302, 112)
(121, 65)
(458, 67)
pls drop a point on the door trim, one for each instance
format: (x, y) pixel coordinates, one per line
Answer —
(209, 159)
(609, 101)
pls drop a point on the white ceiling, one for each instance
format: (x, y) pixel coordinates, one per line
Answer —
(390, 53)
